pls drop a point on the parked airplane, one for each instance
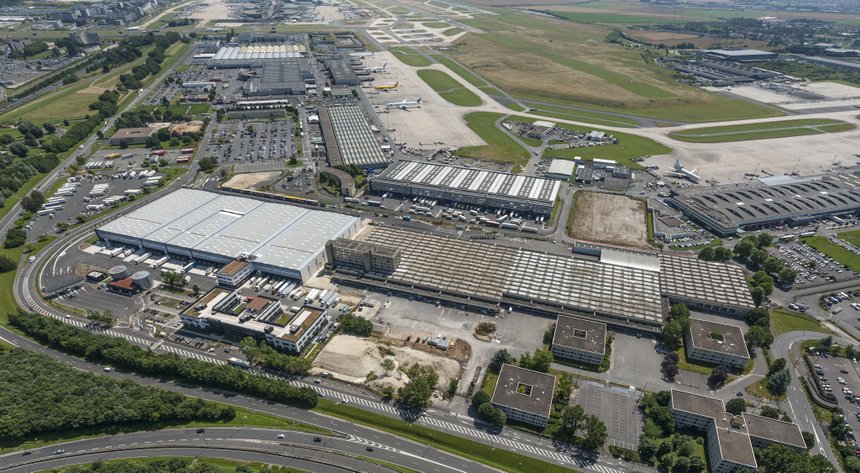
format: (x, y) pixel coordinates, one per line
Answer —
(387, 86)
(378, 68)
(404, 104)
(682, 173)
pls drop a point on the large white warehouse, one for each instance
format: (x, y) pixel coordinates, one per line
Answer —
(278, 239)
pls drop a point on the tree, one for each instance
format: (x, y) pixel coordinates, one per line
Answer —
(772, 265)
(548, 335)
(7, 264)
(787, 276)
(195, 289)
(764, 239)
(839, 429)
(763, 280)
(707, 253)
(670, 370)
(777, 365)
(758, 316)
(387, 365)
(19, 149)
(758, 337)
(356, 325)
(33, 201)
(718, 375)
(102, 318)
(679, 311)
(480, 397)
(501, 357)
(778, 381)
(153, 142)
(672, 334)
(770, 412)
(173, 280)
(757, 258)
(49, 127)
(647, 448)
(563, 389)
(595, 433)
(208, 164)
(808, 439)
(492, 414)
(736, 406)
(744, 249)
(541, 361)
(419, 389)
(15, 237)
(758, 295)
(721, 253)
(662, 418)
(571, 419)
(780, 459)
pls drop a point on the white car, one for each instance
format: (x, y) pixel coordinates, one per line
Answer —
(280, 436)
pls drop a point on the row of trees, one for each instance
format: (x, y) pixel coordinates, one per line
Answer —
(163, 465)
(123, 354)
(660, 445)
(264, 354)
(417, 392)
(41, 395)
(356, 325)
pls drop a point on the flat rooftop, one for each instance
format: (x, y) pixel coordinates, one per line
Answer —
(299, 324)
(697, 404)
(735, 445)
(475, 269)
(563, 167)
(356, 143)
(420, 174)
(717, 337)
(688, 278)
(524, 390)
(773, 199)
(775, 430)
(232, 268)
(580, 334)
(227, 226)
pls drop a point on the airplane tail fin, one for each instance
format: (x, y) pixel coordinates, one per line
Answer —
(419, 100)
(396, 83)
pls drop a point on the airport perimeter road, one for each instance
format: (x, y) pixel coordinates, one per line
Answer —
(801, 412)
(333, 454)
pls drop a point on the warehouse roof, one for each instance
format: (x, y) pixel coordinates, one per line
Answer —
(354, 140)
(471, 180)
(717, 337)
(692, 279)
(270, 233)
(524, 390)
(630, 259)
(561, 167)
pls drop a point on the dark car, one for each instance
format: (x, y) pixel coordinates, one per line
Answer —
(317, 439)
(369, 448)
(201, 430)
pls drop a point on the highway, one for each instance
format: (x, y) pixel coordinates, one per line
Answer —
(311, 452)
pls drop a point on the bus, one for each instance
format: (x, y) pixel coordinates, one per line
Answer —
(233, 361)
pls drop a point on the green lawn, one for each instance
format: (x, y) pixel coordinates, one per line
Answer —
(786, 321)
(435, 24)
(596, 118)
(760, 389)
(614, 18)
(760, 131)
(467, 75)
(496, 457)
(449, 88)
(409, 56)
(852, 237)
(452, 31)
(628, 147)
(244, 418)
(13, 132)
(841, 255)
(500, 147)
(693, 366)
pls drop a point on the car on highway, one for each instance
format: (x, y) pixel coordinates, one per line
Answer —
(369, 448)
(59, 451)
(317, 439)
(280, 436)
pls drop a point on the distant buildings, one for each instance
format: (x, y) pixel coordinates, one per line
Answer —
(524, 395)
(739, 55)
(131, 136)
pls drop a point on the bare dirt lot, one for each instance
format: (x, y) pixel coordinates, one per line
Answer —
(351, 359)
(609, 218)
(250, 180)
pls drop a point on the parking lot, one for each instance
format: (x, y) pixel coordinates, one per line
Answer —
(249, 141)
(841, 375)
(616, 407)
(811, 265)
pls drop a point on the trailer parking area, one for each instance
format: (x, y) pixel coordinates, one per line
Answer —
(616, 406)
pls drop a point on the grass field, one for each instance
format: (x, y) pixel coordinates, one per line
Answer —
(449, 88)
(409, 56)
(500, 458)
(760, 131)
(614, 18)
(786, 321)
(467, 75)
(499, 147)
(852, 237)
(693, 366)
(435, 24)
(596, 118)
(841, 255)
(537, 58)
(629, 146)
(761, 390)
(452, 31)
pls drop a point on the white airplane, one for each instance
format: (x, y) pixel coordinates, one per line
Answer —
(403, 104)
(682, 173)
(378, 68)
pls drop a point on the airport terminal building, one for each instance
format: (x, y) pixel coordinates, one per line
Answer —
(277, 239)
(494, 189)
(771, 201)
